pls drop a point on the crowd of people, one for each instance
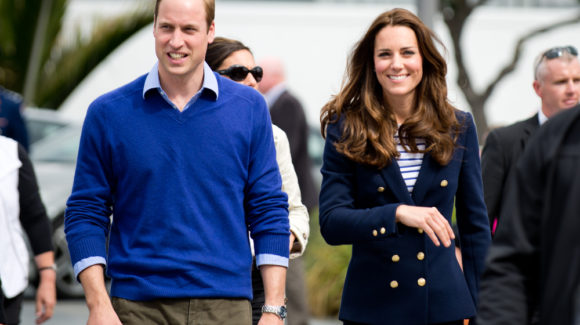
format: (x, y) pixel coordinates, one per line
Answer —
(204, 163)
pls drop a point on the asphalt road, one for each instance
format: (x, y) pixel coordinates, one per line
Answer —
(75, 312)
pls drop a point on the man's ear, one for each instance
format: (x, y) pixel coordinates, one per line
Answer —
(537, 88)
(211, 33)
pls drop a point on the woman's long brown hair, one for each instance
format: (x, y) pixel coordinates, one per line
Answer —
(369, 125)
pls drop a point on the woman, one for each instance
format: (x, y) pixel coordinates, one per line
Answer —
(235, 61)
(397, 157)
(23, 214)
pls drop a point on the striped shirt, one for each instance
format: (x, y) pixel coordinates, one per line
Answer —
(410, 163)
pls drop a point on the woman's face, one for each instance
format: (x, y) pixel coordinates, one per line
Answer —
(398, 62)
(244, 58)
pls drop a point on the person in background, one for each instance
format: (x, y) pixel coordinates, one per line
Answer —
(186, 161)
(12, 124)
(22, 212)
(557, 83)
(287, 113)
(234, 60)
(532, 273)
(398, 157)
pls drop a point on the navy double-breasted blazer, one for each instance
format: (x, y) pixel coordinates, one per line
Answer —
(396, 274)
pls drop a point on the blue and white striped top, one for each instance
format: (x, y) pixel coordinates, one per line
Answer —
(409, 163)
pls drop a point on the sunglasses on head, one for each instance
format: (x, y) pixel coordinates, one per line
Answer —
(557, 52)
(238, 72)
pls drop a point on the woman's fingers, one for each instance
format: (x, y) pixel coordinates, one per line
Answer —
(430, 220)
(439, 227)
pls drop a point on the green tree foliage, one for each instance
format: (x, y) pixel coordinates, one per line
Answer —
(63, 64)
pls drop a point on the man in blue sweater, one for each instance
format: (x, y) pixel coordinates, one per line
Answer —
(186, 160)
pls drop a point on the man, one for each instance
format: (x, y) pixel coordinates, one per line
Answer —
(533, 266)
(557, 83)
(288, 114)
(11, 122)
(186, 160)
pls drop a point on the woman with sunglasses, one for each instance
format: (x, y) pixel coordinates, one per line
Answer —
(398, 158)
(232, 59)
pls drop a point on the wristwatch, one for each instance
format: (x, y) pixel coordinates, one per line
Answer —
(280, 311)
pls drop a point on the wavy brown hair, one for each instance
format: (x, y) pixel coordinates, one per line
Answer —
(369, 124)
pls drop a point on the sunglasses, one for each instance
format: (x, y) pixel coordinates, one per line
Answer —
(557, 52)
(553, 53)
(238, 72)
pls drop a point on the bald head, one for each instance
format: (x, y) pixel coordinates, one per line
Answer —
(273, 73)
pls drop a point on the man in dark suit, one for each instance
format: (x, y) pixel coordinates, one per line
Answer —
(532, 273)
(287, 113)
(557, 83)
(11, 122)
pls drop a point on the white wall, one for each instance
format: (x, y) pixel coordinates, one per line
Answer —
(314, 40)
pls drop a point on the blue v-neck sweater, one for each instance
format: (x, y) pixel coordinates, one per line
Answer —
(185, 188)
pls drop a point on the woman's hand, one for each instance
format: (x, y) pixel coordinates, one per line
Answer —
(292, 239)
(429, 219)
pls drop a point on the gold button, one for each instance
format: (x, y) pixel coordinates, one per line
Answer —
(383, 230)
(394, 284)
(421, 282)
(420, 256)
(420, 230)
(444, 183)
(380, 189)
(395, 258)
(375, 233)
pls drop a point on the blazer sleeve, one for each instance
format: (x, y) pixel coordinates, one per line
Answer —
(471, 212)
(341, 220)
(297, 212)
(493, 172)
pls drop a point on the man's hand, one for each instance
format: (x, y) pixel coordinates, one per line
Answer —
(103, 315)
(101, 310)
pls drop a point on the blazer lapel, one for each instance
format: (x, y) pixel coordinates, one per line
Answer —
(425, 178)
(531, 125)
(392, 176)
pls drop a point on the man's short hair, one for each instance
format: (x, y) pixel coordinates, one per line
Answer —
(209, 11)
(567, 53)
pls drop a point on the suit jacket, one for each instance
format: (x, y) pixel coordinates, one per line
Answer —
(502, 149)
(534, 262)
(288, 114)
(396, 274)
(12, 124)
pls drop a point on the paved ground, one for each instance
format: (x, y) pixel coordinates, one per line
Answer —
(74, 312)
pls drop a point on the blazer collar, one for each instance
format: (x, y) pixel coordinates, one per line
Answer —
(427, 173)
(393, 178)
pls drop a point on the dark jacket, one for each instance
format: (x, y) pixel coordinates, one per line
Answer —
(287, 113)
(396, 274)
(503, 147)
(12, 124)
(533, 266)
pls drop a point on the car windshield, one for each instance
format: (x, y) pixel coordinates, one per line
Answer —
(60, 146)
